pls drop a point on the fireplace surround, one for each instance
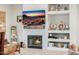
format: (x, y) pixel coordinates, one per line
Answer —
(35, 41)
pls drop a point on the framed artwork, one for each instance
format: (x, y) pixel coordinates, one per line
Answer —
(34, 19)
(19, 18)
(13, 33)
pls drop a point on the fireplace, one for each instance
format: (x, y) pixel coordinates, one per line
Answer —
(35, 41)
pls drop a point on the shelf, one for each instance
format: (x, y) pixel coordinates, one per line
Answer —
(59, 40)
(58, 27)
(58, 12)
(57, 49)
(58, 31)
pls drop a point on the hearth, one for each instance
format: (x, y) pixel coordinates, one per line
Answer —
(35, 41)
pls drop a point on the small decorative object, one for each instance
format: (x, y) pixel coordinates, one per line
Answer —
(54, 37)
(50, 44)
(14, 38)
(21, 44)
(65, 8)
(65, 37)
(50, 34)
(19, 18)
(61, 26)
(66, 27)
(62, 9)
(58, 7)
(59, 45)
(55, 44)
(62, 45)
(52, 8)
(65, 46)
(54, 26)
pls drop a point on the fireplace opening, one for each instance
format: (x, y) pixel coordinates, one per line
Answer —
(35, 41)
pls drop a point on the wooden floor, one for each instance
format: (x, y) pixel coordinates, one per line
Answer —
(30, 51)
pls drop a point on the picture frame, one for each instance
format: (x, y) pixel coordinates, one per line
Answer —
(19, 18)
(13, 33)
(34, 19)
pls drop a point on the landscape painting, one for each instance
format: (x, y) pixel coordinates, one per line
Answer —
(34, 19)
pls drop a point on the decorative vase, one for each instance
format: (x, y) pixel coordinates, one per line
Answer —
(61, 26)
(58, 7)
(65, 37)
(50, 44)
(66, 27)
(52, 8)
(54, 26)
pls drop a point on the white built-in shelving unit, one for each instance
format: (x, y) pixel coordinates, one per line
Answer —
(58, 25)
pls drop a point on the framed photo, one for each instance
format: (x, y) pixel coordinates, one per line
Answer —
(34, 19)
(19, 18)
(13, 30)
(13, 33)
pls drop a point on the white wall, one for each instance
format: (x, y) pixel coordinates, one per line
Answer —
(34, 6)
(73, 23)
(78, 24)
(22, 33)
(17, 10)
(34, 31)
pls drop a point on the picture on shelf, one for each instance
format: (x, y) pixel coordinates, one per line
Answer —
(34, 19)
